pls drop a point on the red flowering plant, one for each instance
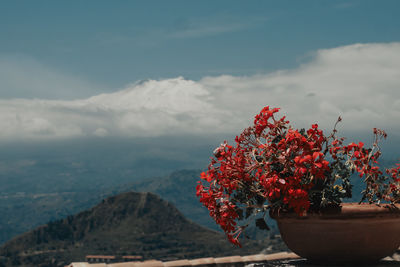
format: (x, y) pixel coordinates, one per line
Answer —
(275, 167)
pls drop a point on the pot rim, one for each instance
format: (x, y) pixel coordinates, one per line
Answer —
(345, 211)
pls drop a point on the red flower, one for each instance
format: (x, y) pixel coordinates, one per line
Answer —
(288, 169)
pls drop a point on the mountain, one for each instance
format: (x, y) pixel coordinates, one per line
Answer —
(44, 181)
(23, 211)
(126, 224)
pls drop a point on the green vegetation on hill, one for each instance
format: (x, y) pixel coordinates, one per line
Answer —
(126, 224)
(23, 211)
(40, 182)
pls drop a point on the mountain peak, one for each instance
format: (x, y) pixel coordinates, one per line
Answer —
(126, 224)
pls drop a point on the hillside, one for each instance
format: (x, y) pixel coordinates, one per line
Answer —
(23, 211)
(129, 223)
(44, 181)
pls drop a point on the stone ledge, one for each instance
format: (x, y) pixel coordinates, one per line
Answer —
(220, 261)
(286, 259)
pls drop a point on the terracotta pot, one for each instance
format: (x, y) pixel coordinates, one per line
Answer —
(355, 234)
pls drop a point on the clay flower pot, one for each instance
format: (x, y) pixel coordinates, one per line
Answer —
(355, 234)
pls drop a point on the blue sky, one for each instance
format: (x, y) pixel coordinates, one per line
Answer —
(160, 68)
(110, 44)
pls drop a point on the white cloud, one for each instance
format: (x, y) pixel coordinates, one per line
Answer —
(151, 108)
(359, 82)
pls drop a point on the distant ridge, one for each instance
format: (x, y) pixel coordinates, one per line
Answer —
(126, 224)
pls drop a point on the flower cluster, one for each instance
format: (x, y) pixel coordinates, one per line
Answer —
(273, 166)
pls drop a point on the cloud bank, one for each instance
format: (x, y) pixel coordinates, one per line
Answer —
(359, 82)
